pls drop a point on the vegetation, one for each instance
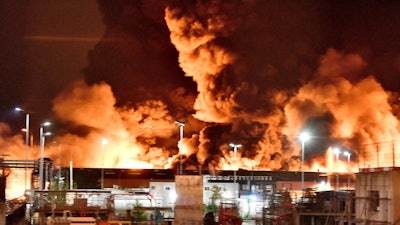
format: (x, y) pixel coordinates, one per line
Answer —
(138, 215)
(215, 198)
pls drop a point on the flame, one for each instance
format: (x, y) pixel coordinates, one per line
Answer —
(15, 184)
(331, 164)
(247, 91)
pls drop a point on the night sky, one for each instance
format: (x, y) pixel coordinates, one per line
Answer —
(233, 67)
(44, 46)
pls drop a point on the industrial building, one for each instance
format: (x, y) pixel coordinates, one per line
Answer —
(123, 188)
(378, 196)
(264, 197)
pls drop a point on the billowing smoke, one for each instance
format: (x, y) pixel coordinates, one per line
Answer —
(243, 89)
(259, 78)
(345, 109)
(130, 132)
(11, 145)
(255, 73)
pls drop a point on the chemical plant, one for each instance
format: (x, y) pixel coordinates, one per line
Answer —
(227, 197)
(152, 196)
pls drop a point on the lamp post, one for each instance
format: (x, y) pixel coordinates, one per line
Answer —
(103, 143)
(303, 137)
(181, 125)
(235, 147)
(348, 154)
(337, 152)
(59, 170)
(59, 164)
(26, 142)
(71, 172)
(42, 140)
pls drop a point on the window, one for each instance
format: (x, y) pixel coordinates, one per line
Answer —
(268, 187)
(245, 187)
(255, 188)
(374, 200)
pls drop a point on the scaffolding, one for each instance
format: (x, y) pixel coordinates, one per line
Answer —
(326, 207)
(377, 196)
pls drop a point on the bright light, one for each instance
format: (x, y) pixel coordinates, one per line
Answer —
(347, 154)
(304, 136)
(18, 109)
(45, 124)
(182, 124)
(226, 194)
(323, 186)
(104, 141)
(235, 145)
(173, 196)
(336, 151)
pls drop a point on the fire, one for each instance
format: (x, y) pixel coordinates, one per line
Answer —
(339, 103)
(333, 164)
(247, 92)
(15, 184)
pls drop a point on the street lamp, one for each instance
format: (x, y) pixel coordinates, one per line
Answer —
(235, 147)
(348, 154)
(60, 164)
(181, 125)
(303, 137)
(337, 152)
(26, 142)
(71, 172)
(103, 143)
(42, 140)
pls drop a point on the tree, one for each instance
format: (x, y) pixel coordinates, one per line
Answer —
(215, 197)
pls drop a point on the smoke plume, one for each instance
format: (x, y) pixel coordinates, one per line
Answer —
(255, 73)
(244, 72)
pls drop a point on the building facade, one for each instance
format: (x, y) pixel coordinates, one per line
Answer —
(378, 196)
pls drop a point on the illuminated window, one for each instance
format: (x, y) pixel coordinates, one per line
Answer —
(256, 188)
(268, 187)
